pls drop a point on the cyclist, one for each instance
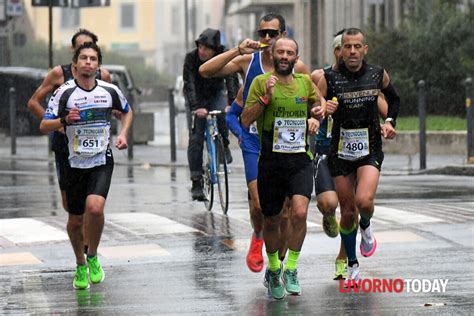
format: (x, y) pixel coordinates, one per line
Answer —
(280, 101)
(250, 61)
(356, 152)
(202, 95)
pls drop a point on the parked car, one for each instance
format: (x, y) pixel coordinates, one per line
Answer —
(123, 79)
(25, 80)
(143, 123)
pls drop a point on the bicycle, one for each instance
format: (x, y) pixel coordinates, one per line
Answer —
(215, 170)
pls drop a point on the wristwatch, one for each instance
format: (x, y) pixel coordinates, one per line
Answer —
(391, 121)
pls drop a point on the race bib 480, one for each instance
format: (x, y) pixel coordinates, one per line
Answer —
(353, 143)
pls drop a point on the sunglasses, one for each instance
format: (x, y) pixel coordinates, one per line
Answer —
(271, 33)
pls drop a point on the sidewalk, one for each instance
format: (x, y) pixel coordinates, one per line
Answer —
(35, 148)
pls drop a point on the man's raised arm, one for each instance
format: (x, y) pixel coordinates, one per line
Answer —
(229, 62)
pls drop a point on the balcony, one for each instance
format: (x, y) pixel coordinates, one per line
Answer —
(256, 6)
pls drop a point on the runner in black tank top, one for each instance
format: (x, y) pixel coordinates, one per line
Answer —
(356, 153)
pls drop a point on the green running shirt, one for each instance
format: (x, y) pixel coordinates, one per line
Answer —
(283, 127)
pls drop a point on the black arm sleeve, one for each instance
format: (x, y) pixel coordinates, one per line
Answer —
(232, 83)
(393, 101)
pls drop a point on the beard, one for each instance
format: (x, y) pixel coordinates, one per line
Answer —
(283, 72)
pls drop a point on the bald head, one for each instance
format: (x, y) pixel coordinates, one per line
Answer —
(287, 39)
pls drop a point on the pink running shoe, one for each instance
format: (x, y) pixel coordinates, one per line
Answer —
(368, 244)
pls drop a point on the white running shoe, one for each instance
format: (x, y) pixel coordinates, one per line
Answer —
(352, 276)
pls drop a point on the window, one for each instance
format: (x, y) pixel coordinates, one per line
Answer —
(127, 16)
(176, 20)
(383, 20)
(372, 16)
(70, 18)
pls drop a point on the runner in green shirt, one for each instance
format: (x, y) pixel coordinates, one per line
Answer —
(281, 102)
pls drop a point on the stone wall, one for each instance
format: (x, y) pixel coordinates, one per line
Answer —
(437, 143)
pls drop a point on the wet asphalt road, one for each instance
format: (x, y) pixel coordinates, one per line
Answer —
(164, 254)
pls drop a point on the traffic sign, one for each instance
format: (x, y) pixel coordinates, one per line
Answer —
(14, 8)
(90, 3)
(45, 3)
(3, 16)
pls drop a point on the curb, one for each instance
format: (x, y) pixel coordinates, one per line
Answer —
(458, 170)
(467, 171)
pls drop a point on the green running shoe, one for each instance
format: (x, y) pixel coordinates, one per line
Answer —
(96, 273)
(275, 285)
(81, 282)
(292, 285)
(341, 268)
(330, 226)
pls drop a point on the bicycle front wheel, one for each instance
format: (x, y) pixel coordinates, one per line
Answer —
(222, 175)
(208, 186)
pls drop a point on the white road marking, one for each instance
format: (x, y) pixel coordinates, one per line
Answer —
(27, 230)
(133, 251)
(243, 215)
(148, 224)
(238, 244)
(402, 217)
(397, 236)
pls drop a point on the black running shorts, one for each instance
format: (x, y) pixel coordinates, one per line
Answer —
(61, 159)
(323, 181)
(340, 167)
(84, 182)
(278, 180)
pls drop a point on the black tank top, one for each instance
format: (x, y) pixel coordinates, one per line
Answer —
(357, 96)
(59, 141)
(67, 72)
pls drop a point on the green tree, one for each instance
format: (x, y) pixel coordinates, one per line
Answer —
(434, 44)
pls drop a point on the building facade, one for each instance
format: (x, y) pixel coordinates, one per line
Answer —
(149, 31)
(159, 32)
(313, 23)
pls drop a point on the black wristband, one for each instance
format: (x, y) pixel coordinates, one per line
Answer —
(63, 121)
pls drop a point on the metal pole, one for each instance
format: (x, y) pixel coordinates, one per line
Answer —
(422, 117)
(130, 142)
(186, 25)
(50, 54)
(470, 123)
(12, 93)
(193, 19)
(50, 49)
(172, 124)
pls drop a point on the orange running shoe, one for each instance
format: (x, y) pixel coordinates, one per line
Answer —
(254, 256)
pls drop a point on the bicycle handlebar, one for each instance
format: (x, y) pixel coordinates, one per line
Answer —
(209, 114)
(214, 112)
